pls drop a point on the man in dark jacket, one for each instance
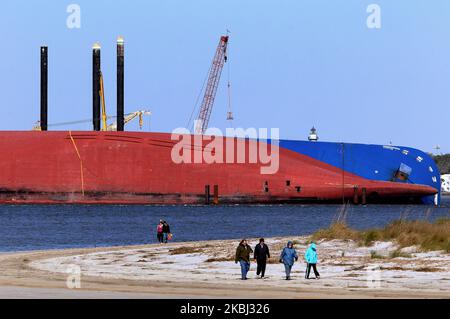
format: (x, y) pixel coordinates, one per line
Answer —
(261, 255)
(243, 252)
(166, 231)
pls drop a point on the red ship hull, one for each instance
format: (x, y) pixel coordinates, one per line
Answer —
(137, 168)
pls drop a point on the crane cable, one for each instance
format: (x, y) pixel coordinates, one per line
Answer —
(230, 111)
(83, 121)
(196, 105)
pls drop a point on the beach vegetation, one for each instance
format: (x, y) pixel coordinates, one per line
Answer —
(184, 250)
(375, 255)
(427, 236)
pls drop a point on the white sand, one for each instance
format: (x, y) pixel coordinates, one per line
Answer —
(342, 265)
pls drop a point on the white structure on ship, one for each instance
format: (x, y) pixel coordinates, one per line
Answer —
(445, 183)
(313, 137)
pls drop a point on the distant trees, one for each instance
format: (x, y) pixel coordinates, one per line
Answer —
(443, 162)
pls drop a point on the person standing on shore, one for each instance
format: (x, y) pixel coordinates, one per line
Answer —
(243, 252)
(159, 232)
(288, 257)
(311, 258)
(261, 255)
(166, 231)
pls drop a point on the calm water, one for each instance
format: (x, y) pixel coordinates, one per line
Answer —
(66, 226)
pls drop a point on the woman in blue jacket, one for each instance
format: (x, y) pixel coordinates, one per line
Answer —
(311, 260)
(288, 256)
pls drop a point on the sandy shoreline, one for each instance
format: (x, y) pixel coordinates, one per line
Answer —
(206, 270)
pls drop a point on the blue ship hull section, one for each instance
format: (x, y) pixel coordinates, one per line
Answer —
(374, 162)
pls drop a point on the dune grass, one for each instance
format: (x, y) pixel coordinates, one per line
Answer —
(399, 254)
(185, 250)
(375, 255)
(428, 236)
(338, 230)
(219, 259)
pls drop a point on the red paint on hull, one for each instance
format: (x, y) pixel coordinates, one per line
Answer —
(136, 168)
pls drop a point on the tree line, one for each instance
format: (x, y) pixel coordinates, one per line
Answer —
(443, 162)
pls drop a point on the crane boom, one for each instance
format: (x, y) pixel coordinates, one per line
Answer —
(211, 88)
(129, 118)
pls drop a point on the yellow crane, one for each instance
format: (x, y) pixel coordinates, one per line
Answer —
(128, 118)
(102, 95)
(37, 126)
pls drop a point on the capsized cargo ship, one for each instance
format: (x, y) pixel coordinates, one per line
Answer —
(138, 168)
(117, 167)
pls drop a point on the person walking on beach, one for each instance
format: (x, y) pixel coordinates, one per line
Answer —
(311, 260)
(288, 256)
(166, 231)
(261, 255)
(243, 252)
(159, 232)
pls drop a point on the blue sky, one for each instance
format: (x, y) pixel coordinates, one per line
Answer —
(293, 64)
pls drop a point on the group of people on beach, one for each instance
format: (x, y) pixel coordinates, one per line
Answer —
(261, 254)
(288, 257)
(163, 233)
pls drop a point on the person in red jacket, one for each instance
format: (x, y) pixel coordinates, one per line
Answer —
(159, 232)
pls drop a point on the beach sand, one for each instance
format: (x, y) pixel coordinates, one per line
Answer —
(207, 270)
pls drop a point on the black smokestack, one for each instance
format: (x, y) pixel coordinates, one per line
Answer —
(120, 84)
(96, 86)
(44, 88)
